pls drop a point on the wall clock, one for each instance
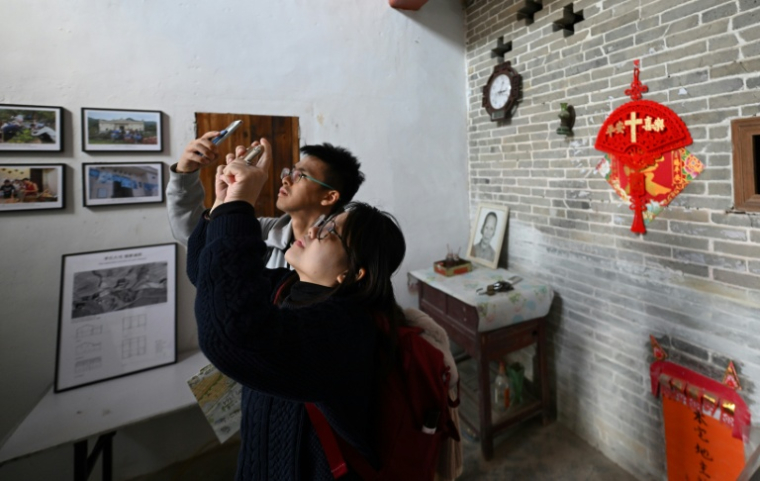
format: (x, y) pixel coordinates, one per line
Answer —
(501, 91)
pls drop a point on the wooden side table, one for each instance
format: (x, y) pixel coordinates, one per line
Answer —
(462, 323)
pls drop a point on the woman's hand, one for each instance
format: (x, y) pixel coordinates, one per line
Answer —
(240, 181)
(220, 185)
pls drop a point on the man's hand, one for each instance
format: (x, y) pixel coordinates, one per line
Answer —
(243, 181)
(198, 153)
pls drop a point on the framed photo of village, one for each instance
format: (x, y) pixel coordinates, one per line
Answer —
(109, 130)
(122, 183)
(27, 128)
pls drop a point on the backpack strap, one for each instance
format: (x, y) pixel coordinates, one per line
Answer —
(327, 439)
(334, 446)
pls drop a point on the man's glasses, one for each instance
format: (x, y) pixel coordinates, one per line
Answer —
(296, 175)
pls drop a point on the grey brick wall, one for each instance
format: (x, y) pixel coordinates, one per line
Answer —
(693, 280)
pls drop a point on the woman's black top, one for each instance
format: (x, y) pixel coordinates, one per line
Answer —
(283, 355)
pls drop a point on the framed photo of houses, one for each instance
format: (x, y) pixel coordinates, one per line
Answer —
(108, 130)
(27, 128)
(117, 314)
(32, 187)
(122, 183)
(487, 235)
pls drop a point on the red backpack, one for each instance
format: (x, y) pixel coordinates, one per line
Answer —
(415, 393)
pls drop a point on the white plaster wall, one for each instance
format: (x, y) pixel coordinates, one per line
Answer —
(388, 85)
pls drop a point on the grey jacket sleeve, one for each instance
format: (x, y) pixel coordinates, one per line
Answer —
(184, 203)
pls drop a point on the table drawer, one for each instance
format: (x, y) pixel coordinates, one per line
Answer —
(463, 313)
(432, 297)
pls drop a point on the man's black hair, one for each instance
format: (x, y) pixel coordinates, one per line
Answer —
(342, 171)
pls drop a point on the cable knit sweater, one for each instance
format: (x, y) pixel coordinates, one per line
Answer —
(283, 356)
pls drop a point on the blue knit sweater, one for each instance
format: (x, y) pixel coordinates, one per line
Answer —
(283, 356)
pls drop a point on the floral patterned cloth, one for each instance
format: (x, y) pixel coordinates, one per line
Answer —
(527, 301)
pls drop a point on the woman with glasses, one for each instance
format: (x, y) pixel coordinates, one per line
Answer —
(292, 338)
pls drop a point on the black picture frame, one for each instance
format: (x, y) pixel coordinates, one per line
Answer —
(117, 314)
(122, 183)
(47, 191)
(31, 128)
(122, 130)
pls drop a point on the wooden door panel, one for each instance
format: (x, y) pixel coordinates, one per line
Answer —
(282, 133)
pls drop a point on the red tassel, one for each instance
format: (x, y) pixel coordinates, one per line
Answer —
(637, 191)
(638, 219)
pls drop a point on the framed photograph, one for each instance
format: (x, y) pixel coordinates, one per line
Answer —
(107, 130)
(32, 187)
(128, 183)
(487, 235)
(117, 315)
(27, 128)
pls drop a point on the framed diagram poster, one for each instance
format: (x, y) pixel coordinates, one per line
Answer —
(118, 314)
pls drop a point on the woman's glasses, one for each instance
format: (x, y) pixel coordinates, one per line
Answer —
(296, 175)
(326, 228)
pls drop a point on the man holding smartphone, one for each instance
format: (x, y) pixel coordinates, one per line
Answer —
(325, 178)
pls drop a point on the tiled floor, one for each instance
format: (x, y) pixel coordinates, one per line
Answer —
(530, 452)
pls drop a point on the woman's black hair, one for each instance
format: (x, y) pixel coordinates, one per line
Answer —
(375, 243)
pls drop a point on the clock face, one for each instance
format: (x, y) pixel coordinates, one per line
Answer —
(501, 87)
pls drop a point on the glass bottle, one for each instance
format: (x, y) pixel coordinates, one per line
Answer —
(501, 389)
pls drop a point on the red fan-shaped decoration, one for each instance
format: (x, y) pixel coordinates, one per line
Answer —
(638, 133)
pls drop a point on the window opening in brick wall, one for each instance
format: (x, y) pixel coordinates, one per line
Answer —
(745, 136)
(527, 10)
(569, 19)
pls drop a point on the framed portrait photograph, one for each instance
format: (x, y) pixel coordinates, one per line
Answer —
(117, 314)
(122, 183)
(28, 128)
(32, 187)
(107, 130)
(487, 234)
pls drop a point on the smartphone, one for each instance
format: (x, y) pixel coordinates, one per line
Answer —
(252, 153)
(226, 132)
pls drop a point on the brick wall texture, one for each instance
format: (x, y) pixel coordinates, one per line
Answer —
(693, 280)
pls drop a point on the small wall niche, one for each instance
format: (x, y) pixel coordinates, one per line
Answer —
(528, 9)
(568, 20)
(502, 47)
